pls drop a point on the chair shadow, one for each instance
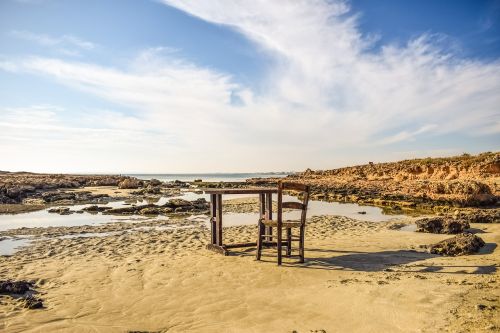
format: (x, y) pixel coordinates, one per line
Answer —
(366, 261)
(377, 261)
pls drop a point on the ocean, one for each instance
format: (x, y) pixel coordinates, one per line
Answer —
(210, 177)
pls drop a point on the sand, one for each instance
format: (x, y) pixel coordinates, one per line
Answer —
(358, 277)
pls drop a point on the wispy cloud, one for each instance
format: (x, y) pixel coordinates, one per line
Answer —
(327, 90)
(66, 44)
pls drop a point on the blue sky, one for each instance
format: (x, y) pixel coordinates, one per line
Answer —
(228, 86)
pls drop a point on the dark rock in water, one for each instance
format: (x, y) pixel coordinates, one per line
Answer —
(174, 203)
(441, 225)
(32, 302)
(15, 287)
(95, 209)
(61, 211)
(127, 210)
(362, 212)
(461, 244)
(150, 211)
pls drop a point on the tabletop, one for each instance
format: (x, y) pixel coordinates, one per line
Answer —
(249, 190)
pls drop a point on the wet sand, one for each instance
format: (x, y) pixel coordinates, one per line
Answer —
(358, 277)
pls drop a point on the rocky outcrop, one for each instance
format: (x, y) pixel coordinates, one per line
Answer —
(460, 181)
(491, 215)
(441, 225)
(18, 186)
(461, 244)
(62, 197)
(129, 183)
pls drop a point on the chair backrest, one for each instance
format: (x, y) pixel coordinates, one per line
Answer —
(288, 186)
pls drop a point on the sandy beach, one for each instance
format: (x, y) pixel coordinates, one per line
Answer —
(358, 277)
(151, 150)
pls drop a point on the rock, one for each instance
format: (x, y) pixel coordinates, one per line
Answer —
(461, 244)
(441, 225)
(32, 302)
(96, 209)
(154, 182)
(168, 210)
(151, 189)
(200, 203)
(15, 287)
(127, 210)
(180, 184)
(105, 181)
(57, 196)
(150, 211)
(478, 215)
(61, 210)
(129, 183)
(362, 212)
(174, 203)
(481, 307)
(181, 209)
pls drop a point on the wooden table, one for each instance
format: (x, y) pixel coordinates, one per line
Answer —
(266, 210)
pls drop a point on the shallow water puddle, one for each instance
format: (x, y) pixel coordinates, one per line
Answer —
(409, 227)
(10, 245)
(43, 218)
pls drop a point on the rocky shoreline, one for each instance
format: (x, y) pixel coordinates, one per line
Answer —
(463, 185)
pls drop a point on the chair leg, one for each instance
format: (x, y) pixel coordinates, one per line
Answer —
(280, 239)
(289, 242)
(301, 243)
(260, 233)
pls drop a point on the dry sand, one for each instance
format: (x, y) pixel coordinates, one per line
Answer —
(358, 277)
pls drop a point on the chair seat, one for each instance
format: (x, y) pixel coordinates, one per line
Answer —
(285, 224)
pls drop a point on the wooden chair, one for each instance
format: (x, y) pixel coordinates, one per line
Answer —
(266, 226)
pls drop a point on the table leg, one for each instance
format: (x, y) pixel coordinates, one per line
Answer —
(260, 226)
(219, 219)
(269, 213)
(213, 214)
(262, 205)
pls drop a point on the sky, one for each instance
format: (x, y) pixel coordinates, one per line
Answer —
(164, 86)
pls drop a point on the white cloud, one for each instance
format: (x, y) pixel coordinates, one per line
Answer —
(328, 90)
(66, 44)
